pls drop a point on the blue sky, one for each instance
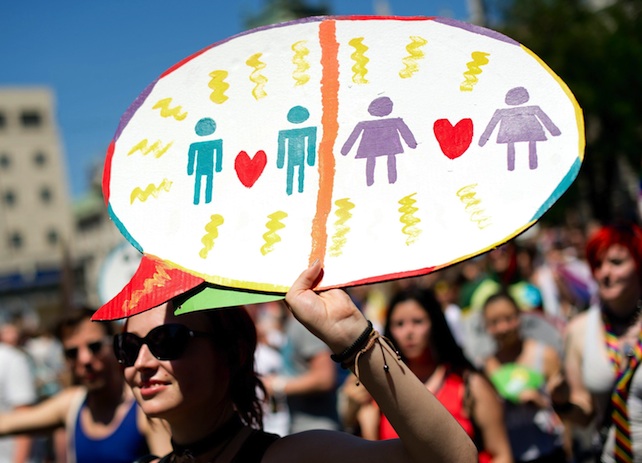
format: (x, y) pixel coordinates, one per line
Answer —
(98, 56)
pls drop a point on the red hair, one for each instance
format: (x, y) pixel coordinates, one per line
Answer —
(629, 236)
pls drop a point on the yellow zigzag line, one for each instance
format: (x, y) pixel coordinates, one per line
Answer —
(156, 148)
(150, 190)
(208, 239)
(158, 280)
(218, 86)
(467, 195)
(273, 225)
(414, 54)
(259, 79)
(359, 68)
(344, 206)
(407, 217)
(474, 68)
(166, 111)
(300, 76)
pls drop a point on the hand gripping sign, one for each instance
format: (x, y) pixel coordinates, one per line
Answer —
(385, 147)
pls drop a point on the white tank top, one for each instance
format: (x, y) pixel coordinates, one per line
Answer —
(597, 372)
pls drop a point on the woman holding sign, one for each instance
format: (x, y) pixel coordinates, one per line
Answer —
(196, 372)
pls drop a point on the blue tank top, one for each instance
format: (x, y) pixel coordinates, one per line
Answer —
(124, 445)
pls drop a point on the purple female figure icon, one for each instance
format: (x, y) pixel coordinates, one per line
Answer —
(380, 138)
(521, 123)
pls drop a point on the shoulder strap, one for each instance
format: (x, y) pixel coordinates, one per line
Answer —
(254, 447)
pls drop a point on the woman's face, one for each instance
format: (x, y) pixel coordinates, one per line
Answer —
(410, 327)
(502, 321)
(617, 279)
(192, 385)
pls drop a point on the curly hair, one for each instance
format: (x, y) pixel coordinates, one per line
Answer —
(234, 335)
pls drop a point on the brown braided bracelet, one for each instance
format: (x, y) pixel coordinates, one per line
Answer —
(355, 347)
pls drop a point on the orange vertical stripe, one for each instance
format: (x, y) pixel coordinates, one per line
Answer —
(329, 121)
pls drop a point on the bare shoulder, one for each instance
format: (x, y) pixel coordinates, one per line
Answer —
(480, 386)
(337, 447)
(575, 331)
(66, 398)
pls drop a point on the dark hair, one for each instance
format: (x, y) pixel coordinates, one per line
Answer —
(74, 317)
(441, 338)
(499, 295)
(628, 235)
(235, 337)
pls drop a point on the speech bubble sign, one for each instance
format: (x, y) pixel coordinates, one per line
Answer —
(384, 146)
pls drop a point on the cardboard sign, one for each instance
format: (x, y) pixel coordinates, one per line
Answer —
(383, 146)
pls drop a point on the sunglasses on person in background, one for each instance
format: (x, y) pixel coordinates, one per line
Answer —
(94, 348)
(165, 342)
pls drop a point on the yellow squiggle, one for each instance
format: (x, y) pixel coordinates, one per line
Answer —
(474, 68)
(216, 220)
(300, 75)
(150, 190)
(339, 239)
(467, 195)
(273, 225)
(218, 86)
(414, 54)
(259, 79)
(156, 148)
(408, 218)
(360, 60)
(166, 111)
(157, 280)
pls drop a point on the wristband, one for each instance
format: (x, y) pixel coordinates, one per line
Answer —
(355, 347)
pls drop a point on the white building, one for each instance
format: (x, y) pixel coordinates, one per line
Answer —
(36, 224)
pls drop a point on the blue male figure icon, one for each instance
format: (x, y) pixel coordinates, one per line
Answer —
(380, 138)
(294, 144)
(520, 123)
(201, 158)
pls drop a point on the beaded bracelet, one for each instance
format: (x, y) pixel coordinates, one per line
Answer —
(355, 347)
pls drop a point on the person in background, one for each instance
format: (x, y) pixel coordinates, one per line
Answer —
(603, 386)
(196, 371)
(309, 381)
(102, 420)
(415, 323)
(521, 369)
(17, 390)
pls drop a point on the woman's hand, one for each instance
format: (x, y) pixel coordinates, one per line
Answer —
(330, 315)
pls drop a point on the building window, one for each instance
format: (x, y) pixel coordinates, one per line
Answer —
(52, 237)
(45, 195)
(31, 118)
(40, 159)
(15, 240)
(10, 198)
(5, 161)
(3, 120)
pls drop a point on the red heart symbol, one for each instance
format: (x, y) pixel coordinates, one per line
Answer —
(250, 169)
(454, 141)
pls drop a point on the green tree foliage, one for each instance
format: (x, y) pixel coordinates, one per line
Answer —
(598, 53)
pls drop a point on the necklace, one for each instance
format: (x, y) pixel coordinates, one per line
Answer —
(224, 434)
(612, 339)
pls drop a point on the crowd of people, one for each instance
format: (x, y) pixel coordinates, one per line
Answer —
(527, 352)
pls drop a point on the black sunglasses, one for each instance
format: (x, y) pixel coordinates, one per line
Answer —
(94, 348)
(165, 342)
